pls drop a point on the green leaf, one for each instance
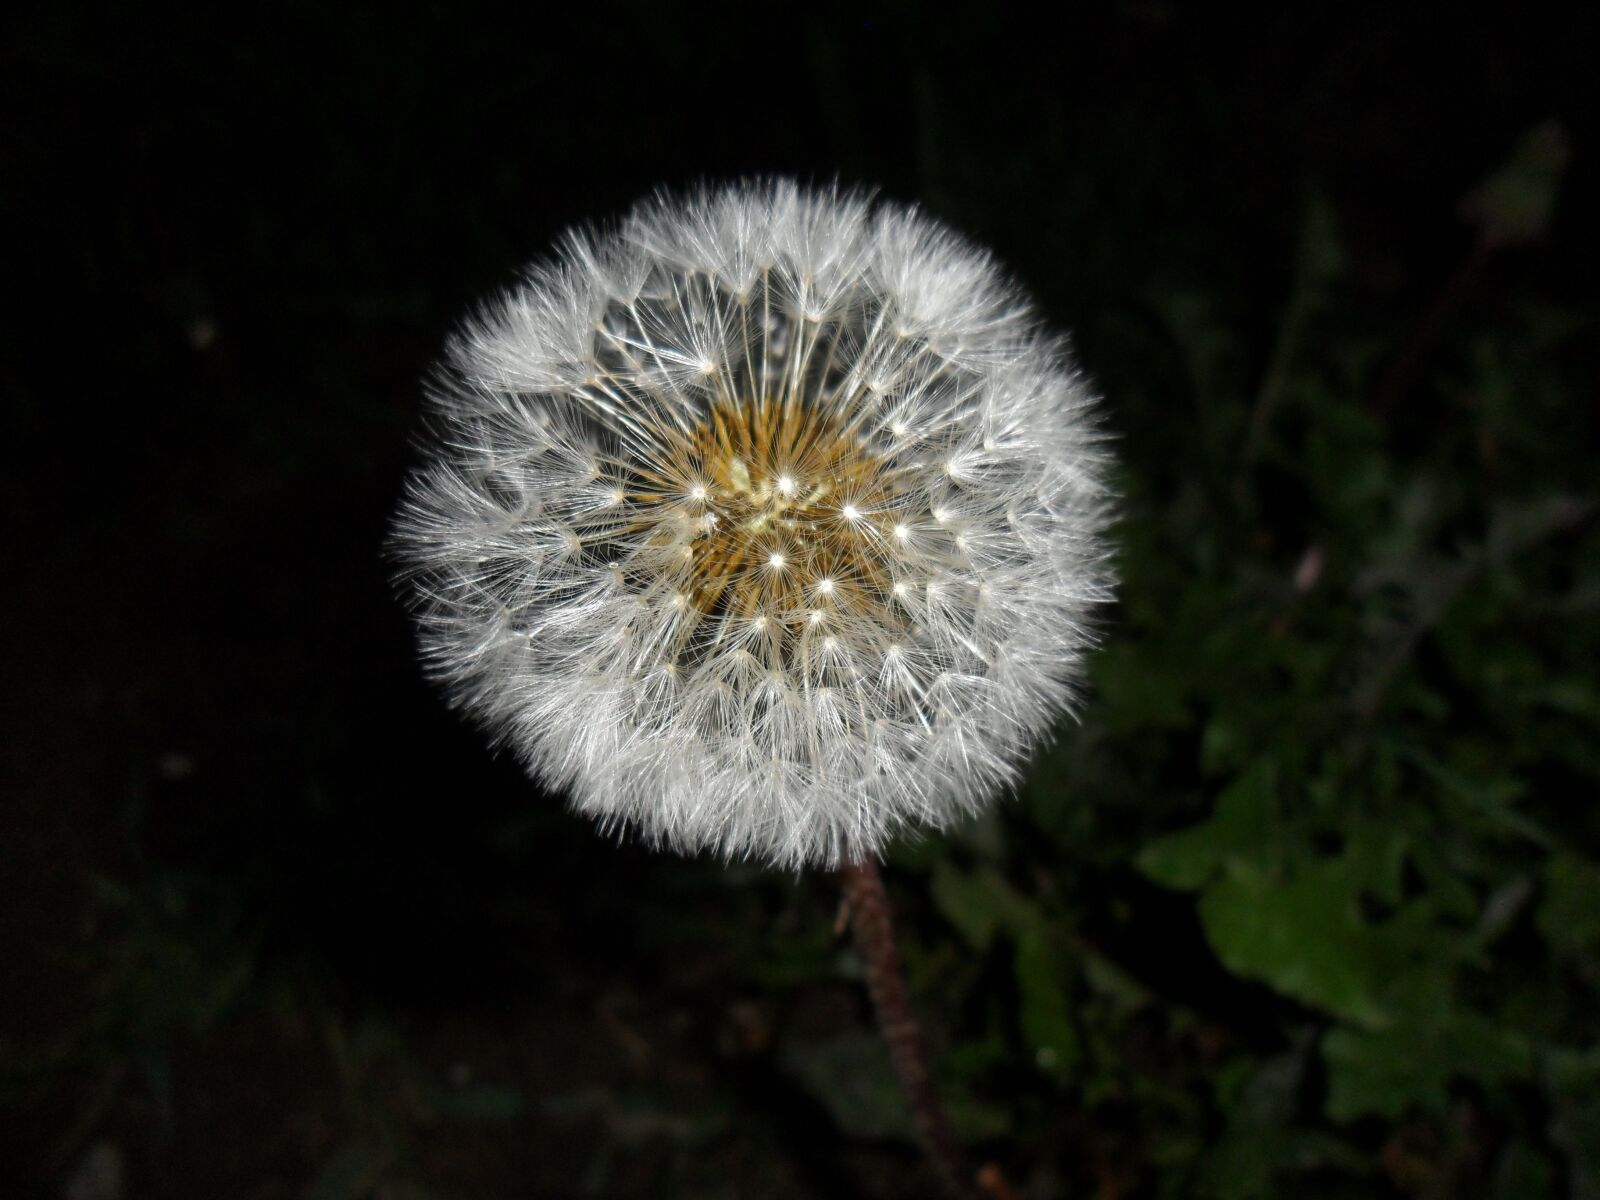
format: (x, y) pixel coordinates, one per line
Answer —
(1514, 204)
(1044, 980)
(1249, 1164)
(1389, 1072)
(1490, 797)
(1569, 918)
(1571, 697)
(979, 903)
(352, 1172)
(851, 1076)
(1241, 827)
(1303, 934)
(1522, 1173)
(1376, 856)
(1261, 1143)
(1573, 1080)
(1137, 690)
(477, 1102)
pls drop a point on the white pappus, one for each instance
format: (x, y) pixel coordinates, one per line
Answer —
(768, 522)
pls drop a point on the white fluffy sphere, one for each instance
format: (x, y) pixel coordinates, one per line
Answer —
(768, 522)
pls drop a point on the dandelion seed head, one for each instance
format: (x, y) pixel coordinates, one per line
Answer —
(769, 522)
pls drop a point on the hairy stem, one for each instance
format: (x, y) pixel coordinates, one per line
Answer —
(873, 928)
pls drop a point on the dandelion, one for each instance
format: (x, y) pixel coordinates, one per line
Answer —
(767, 523)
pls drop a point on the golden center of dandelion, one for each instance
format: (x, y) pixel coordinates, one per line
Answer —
(779, 513)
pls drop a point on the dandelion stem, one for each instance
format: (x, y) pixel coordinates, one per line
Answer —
(873, 927)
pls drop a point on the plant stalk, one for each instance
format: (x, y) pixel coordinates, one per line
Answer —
(873, 928)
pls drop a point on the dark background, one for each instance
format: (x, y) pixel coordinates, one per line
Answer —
(274, 923)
